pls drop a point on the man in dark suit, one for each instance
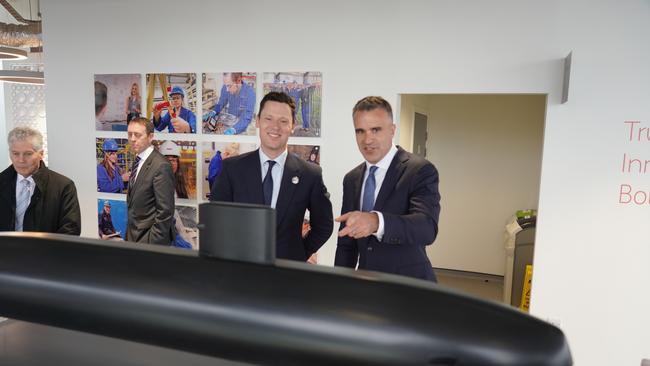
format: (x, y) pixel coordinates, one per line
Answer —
(272, 176)
(33, 197)
(391, 202)
(150, 199)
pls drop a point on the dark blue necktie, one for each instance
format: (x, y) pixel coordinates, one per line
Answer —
(134, 170)
(267, 184)
(369, 191)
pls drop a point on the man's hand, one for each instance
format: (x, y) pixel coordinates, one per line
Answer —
(358, 224)
(208, 115)
(180, 125)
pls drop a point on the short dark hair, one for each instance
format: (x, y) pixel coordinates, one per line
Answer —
(279, 97)
(371, 103)
(148, 125)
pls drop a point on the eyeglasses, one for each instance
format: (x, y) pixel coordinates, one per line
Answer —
(111, 153)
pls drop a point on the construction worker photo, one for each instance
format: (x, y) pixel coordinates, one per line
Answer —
(173, 116)
(111, 177)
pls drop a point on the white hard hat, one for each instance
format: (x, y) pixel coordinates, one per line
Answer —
(170, 148)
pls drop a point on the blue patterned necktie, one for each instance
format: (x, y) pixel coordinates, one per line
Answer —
(22, 202)
(369, 191)
(134, 170)
(267, 184)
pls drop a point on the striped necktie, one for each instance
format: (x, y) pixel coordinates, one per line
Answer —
(134, 171)
(22, 202)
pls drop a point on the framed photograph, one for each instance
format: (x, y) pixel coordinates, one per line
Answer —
(113, 164)
(229, 103)
(308, 153)
(171, 102)
(118, 99)
(187, 234)
(305, 90)
(213, 155)
(182, 157)
(111, 219)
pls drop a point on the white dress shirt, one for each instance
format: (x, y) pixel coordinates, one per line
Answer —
(382, 168)
(143, 156)
(276, 173)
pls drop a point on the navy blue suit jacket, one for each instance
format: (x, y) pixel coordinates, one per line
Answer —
(240, 180)
(410, 203)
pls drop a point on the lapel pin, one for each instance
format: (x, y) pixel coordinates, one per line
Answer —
(295, 180)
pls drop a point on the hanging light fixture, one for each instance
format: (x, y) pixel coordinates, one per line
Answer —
(11, 53)
(21, 74)
(22, 77)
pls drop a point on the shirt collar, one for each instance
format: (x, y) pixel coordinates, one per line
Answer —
(145, 154)
(279, 160)
(30, 179)
(384, 163)
(20, 178)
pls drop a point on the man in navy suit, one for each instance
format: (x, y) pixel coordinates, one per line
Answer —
(283, 181)
(391, 202)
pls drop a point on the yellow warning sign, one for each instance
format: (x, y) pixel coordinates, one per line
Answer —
(525, 292)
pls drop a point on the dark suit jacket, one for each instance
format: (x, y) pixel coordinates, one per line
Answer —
(240, 180)
(54, 207)
(410, 203)
(150, 203)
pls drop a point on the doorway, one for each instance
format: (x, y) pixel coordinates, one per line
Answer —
(488, 151)
(420, 135)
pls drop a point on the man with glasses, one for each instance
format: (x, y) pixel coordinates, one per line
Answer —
(236, 99)
(33, 197)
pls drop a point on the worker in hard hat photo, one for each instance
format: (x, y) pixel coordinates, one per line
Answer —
(172, 152)
(107, 230)
(234, 111)
(176, 118)
(110, 177)
(306, 91)
(185, 237)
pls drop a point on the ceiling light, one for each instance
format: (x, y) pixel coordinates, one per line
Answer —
(22, 77)
(10, 53)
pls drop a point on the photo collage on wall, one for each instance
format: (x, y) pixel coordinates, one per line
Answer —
(305, 90)
(218, 126)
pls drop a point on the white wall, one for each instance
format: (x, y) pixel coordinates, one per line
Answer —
(592, 253)
(488, 151)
